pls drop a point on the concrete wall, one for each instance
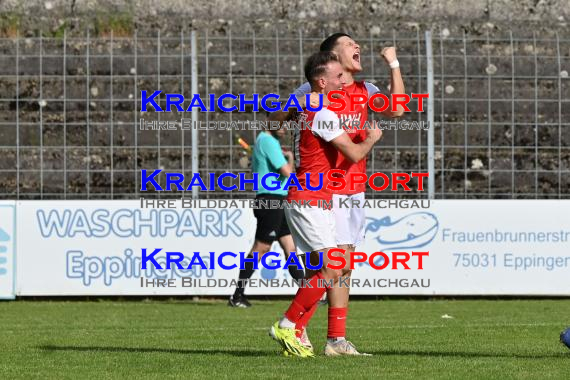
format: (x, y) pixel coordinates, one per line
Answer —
(171, 15)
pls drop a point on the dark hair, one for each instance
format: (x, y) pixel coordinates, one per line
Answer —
(316, 64)
(329, 43)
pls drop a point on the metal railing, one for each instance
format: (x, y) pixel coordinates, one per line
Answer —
(70, 110)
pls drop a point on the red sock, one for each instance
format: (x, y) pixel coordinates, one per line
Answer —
(304, 320)
(306, 297)
(337, 322)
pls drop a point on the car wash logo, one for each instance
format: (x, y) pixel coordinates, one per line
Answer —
(411, 231)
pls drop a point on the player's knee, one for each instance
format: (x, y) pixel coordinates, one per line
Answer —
(331, 274)
(287, 244)
(261, 247)
(289, 248)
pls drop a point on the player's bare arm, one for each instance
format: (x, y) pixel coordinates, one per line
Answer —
(356, 152)
(396, 81)
(286, 169)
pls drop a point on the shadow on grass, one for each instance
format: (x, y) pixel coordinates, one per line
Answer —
(241, 353)
(450, 354)
(258, 353)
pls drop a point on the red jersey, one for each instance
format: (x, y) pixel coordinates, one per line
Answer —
(356, 133)
(314, 153)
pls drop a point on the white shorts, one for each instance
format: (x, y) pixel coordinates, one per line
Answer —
(312, 228)
(350, 221)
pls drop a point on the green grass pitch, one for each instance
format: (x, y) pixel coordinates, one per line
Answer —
(486, 339)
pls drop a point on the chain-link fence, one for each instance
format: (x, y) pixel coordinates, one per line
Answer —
(70, 110)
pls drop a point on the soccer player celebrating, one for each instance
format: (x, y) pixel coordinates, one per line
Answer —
(268, 157)
(317, 149)
(350, 222)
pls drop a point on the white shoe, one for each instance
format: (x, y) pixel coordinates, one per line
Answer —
(342, 347)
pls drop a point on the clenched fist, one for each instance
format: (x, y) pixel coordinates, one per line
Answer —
(389, 54)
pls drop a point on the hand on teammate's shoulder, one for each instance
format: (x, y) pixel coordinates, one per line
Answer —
(374, 132)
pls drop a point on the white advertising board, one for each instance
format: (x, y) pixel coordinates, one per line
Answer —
(476, 247)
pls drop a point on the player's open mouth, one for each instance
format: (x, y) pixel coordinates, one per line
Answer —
(356, 57)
